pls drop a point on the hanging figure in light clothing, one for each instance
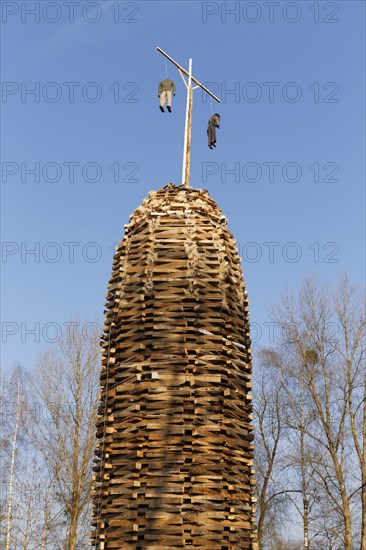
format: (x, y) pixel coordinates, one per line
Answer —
(165, 90)
(213, 123)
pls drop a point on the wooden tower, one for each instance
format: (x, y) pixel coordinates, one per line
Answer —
(174, 457)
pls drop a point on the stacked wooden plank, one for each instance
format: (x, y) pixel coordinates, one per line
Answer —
(174, 457)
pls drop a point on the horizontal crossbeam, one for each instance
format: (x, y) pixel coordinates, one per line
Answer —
(187, 74)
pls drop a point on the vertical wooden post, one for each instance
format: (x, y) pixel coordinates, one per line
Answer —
(188, 131)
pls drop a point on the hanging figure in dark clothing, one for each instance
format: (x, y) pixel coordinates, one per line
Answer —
(165, 89)
(213, 123)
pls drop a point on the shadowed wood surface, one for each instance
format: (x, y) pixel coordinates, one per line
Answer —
(174, 457)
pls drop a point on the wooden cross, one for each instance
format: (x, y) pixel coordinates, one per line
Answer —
(188, 124)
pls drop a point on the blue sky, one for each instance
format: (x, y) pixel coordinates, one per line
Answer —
(292, 135)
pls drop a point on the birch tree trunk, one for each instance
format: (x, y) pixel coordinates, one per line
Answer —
(18, 414)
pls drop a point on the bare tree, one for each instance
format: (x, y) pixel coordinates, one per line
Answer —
(14, 443)
(12, 420)
(66, 383)
(350, 348)
(322, 337)
(267, 412)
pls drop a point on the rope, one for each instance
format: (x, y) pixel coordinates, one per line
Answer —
(166, 69)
